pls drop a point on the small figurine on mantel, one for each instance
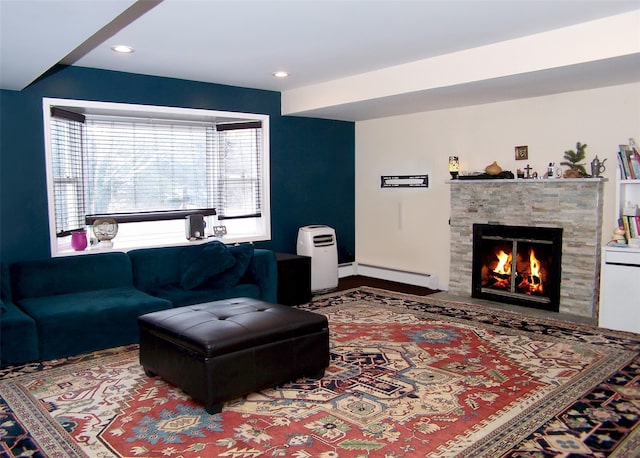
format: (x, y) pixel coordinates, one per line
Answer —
(597, 167)
(572, 157)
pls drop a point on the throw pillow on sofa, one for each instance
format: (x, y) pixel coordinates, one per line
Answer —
(201, 262)
(231, 277)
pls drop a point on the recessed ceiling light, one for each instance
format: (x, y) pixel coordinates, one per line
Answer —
(280, 74)
(123, 49)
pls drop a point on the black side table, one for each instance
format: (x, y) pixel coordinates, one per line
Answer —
(294, 279)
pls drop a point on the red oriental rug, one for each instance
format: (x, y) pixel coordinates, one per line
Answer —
(410, 376)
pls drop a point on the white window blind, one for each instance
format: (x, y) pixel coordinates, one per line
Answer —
(139, 167)
(134, 170)
(66, 143)
(237, 170)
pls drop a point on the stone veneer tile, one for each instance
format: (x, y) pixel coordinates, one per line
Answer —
(573, 204)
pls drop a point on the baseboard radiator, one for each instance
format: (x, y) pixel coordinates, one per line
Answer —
(384, 273)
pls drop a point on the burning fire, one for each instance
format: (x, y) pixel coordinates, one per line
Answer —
(534, 264)
(532, 283)
(530, 277)
(534, 278)
(502, 271)
(504, 263)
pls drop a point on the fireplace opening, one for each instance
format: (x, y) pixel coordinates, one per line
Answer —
(517, 265)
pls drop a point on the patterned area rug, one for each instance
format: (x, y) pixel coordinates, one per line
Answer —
(410, 376)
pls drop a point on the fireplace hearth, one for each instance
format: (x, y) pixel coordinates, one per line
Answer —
(517, 265)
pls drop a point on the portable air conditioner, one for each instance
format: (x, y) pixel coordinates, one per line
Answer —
(319, 243)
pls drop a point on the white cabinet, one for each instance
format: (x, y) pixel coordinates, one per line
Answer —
(620, 289)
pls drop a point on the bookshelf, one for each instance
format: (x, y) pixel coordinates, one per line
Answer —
(628, 195)
(628, 191)
(619, 306)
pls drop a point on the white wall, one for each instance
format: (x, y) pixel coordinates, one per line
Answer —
(407, 229)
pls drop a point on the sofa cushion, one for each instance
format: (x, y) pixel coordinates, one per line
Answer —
(201, 262)
(70, 324)
(72, 274)
(181, 297)
(242, 254)
(154, 267)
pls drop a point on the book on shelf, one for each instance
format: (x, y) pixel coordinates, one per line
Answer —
(629, 161)
(622, 161)
(636, 157)
(631, 226)
(627, 229)
(633, 229)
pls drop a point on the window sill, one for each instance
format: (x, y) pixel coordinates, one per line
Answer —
(132, 236)
(64, 246)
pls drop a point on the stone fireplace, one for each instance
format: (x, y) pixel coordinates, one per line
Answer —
(573, 205)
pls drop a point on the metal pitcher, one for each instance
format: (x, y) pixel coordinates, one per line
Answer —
(597, 167)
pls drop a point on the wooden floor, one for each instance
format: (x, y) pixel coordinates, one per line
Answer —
(359, 280)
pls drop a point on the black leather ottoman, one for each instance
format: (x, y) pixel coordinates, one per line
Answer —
(219, 351)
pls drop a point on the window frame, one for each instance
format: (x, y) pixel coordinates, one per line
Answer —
(258, 228)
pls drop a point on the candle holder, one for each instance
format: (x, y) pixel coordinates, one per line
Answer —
(454, 167)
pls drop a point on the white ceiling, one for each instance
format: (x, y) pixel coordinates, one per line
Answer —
(329, 46)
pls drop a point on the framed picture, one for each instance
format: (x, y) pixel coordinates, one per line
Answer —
(522, 153)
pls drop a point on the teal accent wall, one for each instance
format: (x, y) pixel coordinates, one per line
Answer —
(312, 160)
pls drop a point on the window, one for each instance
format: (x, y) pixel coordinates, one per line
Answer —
(148, 167)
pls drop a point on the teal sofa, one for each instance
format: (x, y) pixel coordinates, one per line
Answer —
(57, 307)
(81, 303)
(217, 272)
(18, 332)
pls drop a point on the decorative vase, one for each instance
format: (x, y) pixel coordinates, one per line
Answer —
(79, 240)
(493, 169)
(105, 229)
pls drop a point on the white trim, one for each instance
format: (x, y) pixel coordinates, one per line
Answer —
(384, 273)
(263, 224)
(346, 270)
(48, 152)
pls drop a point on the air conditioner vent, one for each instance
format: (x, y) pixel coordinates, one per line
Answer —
(323, 240)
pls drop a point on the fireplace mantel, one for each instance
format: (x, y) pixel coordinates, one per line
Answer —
(529, 181)
(574, 204)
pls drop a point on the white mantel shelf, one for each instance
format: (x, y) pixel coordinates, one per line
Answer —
(528, 181)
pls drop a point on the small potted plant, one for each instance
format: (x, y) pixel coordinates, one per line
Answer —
(572, 159)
